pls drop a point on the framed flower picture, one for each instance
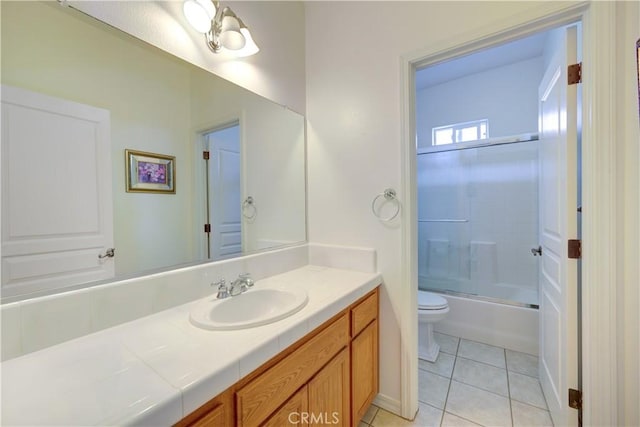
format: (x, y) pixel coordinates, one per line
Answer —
(150, 172)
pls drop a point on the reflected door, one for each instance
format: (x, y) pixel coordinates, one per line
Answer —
(57, 213)
(224, 192)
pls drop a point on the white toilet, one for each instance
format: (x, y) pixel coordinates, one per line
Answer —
(431, 308)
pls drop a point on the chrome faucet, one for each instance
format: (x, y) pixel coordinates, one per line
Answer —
(241, 284)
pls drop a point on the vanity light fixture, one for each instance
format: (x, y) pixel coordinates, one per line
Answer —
(223, 30)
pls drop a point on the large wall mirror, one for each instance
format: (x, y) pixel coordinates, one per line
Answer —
(251, 190)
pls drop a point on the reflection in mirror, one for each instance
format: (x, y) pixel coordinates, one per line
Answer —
(115, 91)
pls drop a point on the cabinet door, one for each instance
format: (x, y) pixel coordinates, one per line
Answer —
(257, 400)
(293, 413)
(364, 370)
(329, 393)
(218, 412)
(215, 418)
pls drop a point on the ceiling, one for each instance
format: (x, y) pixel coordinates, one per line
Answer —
(519, 50)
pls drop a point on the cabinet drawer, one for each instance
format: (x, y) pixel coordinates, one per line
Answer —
(363, 313)
(262, 396)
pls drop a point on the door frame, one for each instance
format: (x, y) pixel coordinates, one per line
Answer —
(599, 189)
(214, 185)
(198, 175)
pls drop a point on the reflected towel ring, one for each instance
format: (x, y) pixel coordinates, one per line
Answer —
(389, 196)
(248, 202)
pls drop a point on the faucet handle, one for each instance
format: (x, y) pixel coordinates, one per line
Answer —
(223, 291)
(246, 278)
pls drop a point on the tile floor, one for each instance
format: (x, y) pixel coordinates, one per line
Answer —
(473, 384)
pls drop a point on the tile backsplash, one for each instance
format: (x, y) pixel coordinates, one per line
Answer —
(37, 323)
(345, 257)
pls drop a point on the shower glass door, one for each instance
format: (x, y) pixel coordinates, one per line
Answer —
(478, 221)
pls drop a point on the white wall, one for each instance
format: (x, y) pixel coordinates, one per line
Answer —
(354, 144)
(276, 72)
(354, 125)
(507, 96)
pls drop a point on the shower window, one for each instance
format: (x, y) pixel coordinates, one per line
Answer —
(460, 132)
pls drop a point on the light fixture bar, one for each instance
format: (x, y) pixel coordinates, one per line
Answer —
(223, 29)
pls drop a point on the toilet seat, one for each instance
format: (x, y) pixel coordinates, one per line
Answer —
(431, 301)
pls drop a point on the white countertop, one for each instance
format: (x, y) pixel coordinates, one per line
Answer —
(158, 369)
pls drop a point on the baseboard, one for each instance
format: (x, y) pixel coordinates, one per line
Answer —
(388, 404)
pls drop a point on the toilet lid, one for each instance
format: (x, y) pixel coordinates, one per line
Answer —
(430, 301)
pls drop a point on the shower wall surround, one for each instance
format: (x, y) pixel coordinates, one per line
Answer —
(478, 213)
(34, 324)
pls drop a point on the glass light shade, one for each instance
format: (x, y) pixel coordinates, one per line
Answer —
(199, 14)
(230, 36)
(250, 47)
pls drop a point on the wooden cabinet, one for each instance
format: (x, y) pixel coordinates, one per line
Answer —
(364, 312)
(215, 417)
(364, 355)
(261, 396)
(292, 413)
(218, 412)
(329, 377)
(329, 393)
(364, 370)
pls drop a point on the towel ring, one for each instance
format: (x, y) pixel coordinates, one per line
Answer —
(248, 202)
(389, 196)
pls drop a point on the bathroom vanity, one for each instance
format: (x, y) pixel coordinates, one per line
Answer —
(317, 366)
(328, 377)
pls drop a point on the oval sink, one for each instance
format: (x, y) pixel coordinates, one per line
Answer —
(253, 308)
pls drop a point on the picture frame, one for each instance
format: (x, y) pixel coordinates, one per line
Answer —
(149, 172)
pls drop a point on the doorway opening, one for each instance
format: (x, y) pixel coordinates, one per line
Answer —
(497, 180)
(223, 185)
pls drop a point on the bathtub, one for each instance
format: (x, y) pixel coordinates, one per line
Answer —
(509, 326)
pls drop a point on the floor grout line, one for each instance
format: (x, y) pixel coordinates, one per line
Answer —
(446, 399)
(443, 411)
(508, 387)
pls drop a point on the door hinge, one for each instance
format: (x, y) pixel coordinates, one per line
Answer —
(575, 398)
(207, 228)
(574, 73)
(574, 249)
(205, 155)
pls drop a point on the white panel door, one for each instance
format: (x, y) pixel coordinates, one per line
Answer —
(56, 192)
(224, 192)
(558, 222)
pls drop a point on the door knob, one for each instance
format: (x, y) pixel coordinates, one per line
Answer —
(109, 253)
(537, 251)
